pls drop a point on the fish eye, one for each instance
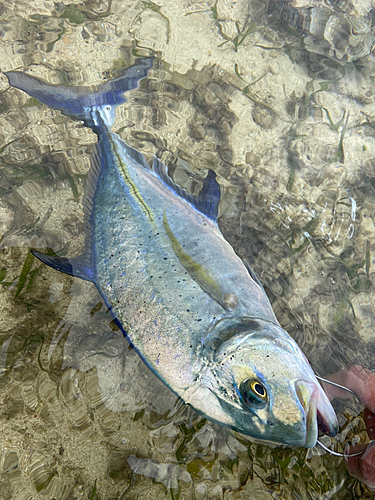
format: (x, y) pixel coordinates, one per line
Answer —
(253, 393)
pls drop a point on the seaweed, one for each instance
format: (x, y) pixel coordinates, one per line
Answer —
(189, 433)
(46, 482)
(240, 37)
(306, 232)
(247, 92)
(138, 415)
(25, 272)
(73, 187)
(157, 8)
(341, 308)
(93, 493)
(214, 10)
(368, 260)
(73, 14)
(3, 272)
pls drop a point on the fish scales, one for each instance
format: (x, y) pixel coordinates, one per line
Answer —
(196, 314)
(143, 278)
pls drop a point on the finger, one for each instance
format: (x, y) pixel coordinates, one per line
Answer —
(363, 466)
(358, 379)
(370, 423)
(367, 465)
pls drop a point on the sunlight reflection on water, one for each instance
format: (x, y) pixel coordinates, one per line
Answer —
(290, 135)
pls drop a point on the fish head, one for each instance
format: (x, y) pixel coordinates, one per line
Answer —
(265, 386)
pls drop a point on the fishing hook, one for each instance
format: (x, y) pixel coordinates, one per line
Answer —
(337, 454)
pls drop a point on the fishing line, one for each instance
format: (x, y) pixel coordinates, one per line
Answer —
(338, 385)
(336, 453)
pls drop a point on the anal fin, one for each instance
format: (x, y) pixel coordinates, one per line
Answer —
(78, 266)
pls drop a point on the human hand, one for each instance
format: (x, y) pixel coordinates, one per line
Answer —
(363, 466)
(362, 382)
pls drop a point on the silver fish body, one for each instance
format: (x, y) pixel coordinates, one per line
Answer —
(195, 313)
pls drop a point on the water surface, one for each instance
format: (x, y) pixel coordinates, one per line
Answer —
(290, 135)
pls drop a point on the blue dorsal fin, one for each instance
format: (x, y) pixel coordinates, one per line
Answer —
(79, 266)
(137, 156)
(206, 201)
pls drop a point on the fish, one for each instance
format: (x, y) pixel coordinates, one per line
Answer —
(195, 313)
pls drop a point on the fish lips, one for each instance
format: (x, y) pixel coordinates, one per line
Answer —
(320, 415)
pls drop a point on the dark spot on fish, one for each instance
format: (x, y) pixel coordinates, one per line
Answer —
(188, 310)
(270, 423)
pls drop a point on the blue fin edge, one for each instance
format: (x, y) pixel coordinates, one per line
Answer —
(79, 101)
(206, 201)
(78, 267)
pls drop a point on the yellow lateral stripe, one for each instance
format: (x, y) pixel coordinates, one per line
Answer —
(200, 275)
(134, 192)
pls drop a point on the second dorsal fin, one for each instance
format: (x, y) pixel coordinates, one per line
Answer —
(206, 201)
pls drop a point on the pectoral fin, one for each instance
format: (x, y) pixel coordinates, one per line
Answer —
(201, 275)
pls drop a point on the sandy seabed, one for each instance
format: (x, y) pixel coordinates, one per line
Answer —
(290, 135)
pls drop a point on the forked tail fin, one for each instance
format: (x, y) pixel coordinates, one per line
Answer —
(81, 101)
(88, 104)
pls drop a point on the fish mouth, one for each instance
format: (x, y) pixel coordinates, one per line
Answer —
(326, 426)
(320, 415)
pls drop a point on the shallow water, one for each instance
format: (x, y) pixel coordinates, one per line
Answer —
(290, 135)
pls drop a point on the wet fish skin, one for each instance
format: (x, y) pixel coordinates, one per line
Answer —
(195, 313)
